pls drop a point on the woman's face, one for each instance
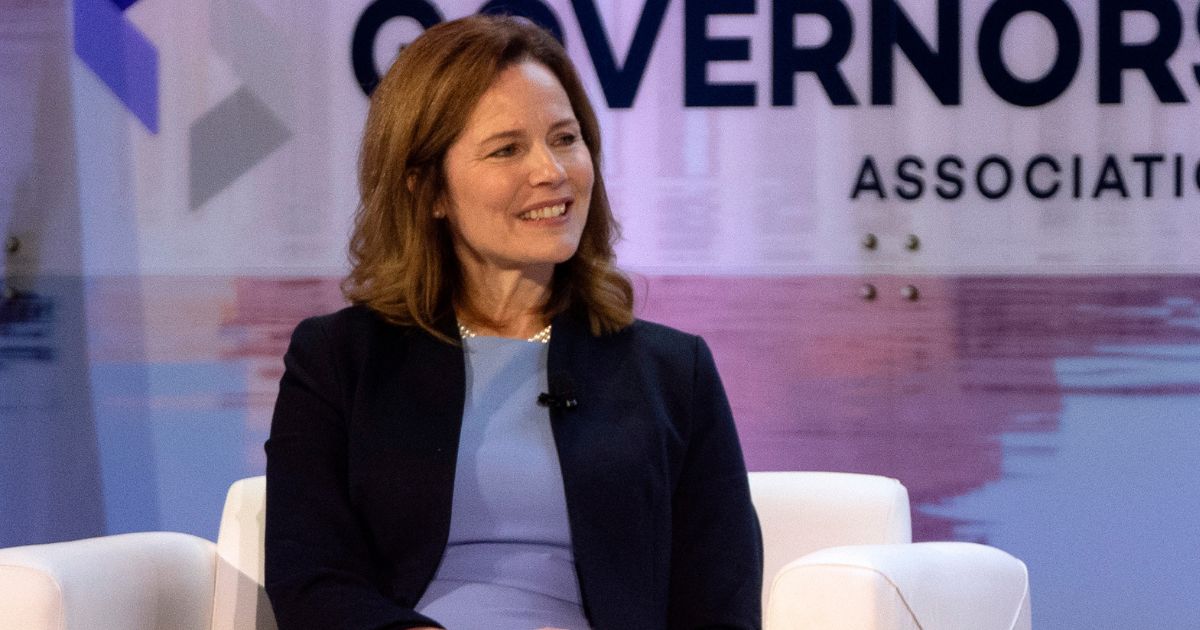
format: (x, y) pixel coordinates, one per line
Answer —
(519, 176)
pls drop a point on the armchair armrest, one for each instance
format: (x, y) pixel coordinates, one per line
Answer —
(802, 512)
(922, 586)
(143, 581)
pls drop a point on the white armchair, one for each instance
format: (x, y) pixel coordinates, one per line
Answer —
(838, 556)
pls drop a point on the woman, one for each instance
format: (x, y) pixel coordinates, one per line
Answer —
(487, 438)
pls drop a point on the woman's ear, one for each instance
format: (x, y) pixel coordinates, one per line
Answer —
(439, 207)
(410, 181)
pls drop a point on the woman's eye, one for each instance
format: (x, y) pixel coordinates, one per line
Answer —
(505, 151)
(568, 139)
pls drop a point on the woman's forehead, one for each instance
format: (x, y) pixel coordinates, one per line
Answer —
(523, 95)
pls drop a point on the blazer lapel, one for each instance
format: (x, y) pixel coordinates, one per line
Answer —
(434, 375)
(609, 510)
(408, 445)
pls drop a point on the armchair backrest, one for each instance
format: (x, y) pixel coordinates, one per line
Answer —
(800, 512)
(239, 601)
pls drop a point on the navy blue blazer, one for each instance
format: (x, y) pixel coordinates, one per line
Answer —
(361, 460)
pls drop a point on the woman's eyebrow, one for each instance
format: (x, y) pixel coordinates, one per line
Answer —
(508, 134)
(514, 134)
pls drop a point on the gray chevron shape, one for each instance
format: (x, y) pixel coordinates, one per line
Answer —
(227, 141)
(263, 56)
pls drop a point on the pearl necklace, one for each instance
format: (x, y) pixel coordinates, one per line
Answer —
(542, 336)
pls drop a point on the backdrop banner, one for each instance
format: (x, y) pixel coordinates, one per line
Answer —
(740, 137)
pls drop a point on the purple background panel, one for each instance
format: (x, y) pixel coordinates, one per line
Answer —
(119, 55)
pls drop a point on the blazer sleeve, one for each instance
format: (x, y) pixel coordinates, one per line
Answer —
(318, 558)
(716, 557)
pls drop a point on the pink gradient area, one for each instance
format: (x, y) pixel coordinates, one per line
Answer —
(821, 379)
(925, 391)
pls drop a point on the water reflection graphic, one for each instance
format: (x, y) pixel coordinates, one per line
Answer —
(131, 403)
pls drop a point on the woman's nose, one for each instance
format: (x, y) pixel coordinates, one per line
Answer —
(547, 167)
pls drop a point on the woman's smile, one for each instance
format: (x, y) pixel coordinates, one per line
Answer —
(543, 213)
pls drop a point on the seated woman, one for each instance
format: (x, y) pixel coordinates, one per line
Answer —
(487, 438)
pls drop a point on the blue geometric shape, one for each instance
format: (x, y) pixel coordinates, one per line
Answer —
(119, 55)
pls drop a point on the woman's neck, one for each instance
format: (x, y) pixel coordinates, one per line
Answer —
(504, 302)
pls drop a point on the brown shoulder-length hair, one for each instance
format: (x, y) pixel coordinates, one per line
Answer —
(402, 258)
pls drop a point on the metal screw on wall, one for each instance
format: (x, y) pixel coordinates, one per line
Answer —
(912, 243)
(910, 293)
(867, 292)
(870, 241)
(12, 244)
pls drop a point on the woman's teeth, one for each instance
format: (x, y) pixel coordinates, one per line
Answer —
(549, 212)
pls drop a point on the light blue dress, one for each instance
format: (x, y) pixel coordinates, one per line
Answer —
(508, 564)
